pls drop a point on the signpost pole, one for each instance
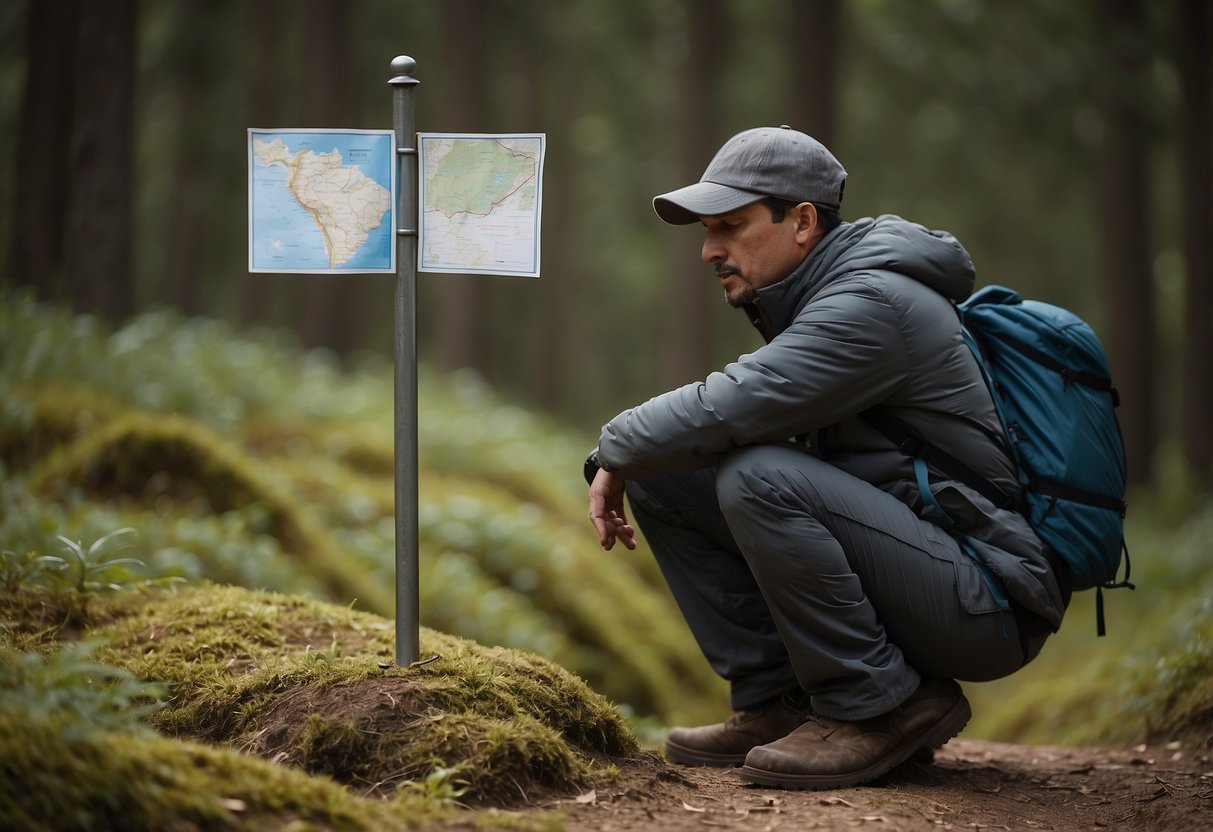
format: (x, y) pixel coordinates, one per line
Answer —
(407, 617)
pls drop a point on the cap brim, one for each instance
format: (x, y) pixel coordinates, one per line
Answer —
(686, 205)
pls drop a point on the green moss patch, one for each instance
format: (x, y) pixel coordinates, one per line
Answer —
(313, 686)
(114, 780)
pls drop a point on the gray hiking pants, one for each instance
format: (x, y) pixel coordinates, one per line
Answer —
(792, 573)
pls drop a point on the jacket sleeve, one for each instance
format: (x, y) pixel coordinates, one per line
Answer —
(843, 353)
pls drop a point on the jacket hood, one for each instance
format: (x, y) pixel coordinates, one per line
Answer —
(886, 243)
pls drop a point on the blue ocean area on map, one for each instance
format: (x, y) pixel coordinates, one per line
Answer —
(280, 220)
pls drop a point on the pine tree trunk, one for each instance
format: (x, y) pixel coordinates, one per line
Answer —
(1125, 230)
(691, 289)
(1196, 149)
(41, 191)
(99, 236)
(263, 109)
(813, 47)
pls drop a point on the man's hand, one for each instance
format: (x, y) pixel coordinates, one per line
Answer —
(606, 511)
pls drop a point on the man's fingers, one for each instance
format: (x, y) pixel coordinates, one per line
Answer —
(604, 525)
(623, 530)
(606, 531)
(612, 527)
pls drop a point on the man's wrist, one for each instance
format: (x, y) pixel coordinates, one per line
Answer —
(592, 466)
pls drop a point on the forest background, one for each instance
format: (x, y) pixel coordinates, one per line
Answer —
(1066, 144)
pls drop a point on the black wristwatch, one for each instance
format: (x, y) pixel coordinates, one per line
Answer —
(592, 467)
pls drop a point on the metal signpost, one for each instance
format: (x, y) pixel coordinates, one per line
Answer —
(407, 616)
(343, 185)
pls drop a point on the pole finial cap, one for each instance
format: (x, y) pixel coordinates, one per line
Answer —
(403, 65)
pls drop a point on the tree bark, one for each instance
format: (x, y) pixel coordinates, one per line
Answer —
(557, 291)
(689, 350)
(263, 108)
(182, 265)
(98, 239)
(1196, 160)
(41, 188)
(814, 49)
(1125, 230)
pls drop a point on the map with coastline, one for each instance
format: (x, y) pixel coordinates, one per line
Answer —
(481, 202)
(321, 201)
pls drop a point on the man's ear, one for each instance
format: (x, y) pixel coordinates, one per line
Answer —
(808, 224)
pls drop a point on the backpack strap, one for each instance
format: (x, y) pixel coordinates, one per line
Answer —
(914, 446)
(1051, 488)
(1095, 382)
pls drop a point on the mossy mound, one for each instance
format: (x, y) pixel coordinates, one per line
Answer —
(173, 461)
(43, 420)
(116, 780)
(311, 685)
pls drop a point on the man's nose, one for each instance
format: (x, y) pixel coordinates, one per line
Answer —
(712, 251)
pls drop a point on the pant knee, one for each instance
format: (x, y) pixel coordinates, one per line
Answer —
(767, 474)
(734, 476)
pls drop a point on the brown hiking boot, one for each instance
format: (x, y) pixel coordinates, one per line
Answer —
(727, 743)
(831, 753)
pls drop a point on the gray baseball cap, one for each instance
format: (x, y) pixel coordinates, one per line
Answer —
(757, 163)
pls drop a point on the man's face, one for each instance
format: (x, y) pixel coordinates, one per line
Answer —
(749, 251)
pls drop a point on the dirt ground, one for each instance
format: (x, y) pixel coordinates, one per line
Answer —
(971, 785)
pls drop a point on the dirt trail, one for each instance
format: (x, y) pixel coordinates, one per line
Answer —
(972, 785)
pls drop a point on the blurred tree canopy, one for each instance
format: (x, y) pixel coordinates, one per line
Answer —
(1066, 144)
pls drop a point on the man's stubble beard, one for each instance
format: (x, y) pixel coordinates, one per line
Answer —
(747, 295)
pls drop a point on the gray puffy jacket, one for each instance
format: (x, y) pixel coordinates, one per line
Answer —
(867, 319)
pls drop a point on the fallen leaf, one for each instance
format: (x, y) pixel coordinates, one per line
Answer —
(835, 801)
(587, 797)
(691, 808)
(233, 804)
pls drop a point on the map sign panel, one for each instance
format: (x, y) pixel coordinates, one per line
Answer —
(481, 202)
(322, 201)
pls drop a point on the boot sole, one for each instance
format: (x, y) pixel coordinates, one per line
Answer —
(696, 757)
(683, 755)
(949, 726)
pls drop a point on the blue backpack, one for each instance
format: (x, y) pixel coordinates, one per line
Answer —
(1049, 377)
